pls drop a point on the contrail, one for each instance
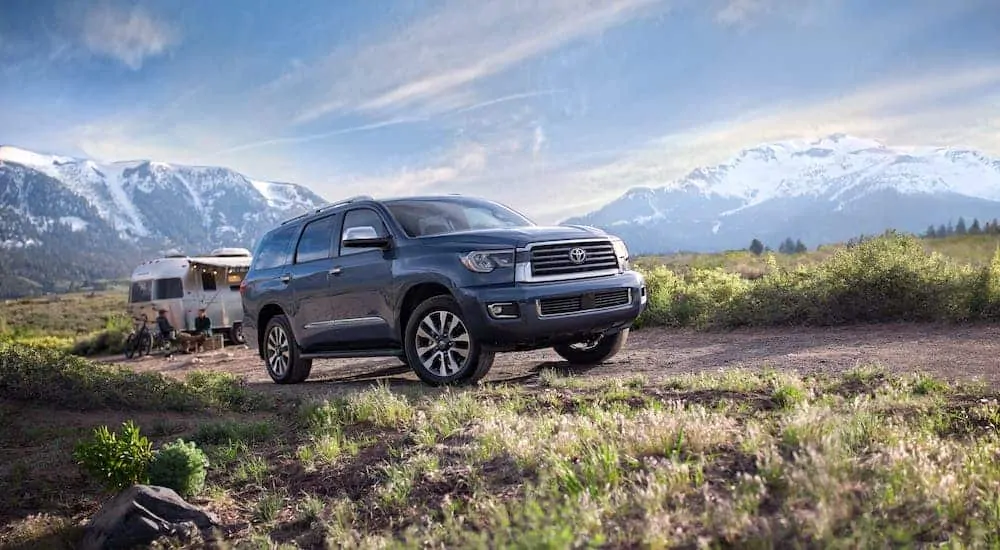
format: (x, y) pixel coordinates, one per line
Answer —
(504, 99)
(312, 137)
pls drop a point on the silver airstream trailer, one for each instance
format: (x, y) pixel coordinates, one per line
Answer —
(184, 284)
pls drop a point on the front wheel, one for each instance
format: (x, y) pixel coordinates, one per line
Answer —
(281, 354)
(439, 347)
(593, 352)
(131, 344)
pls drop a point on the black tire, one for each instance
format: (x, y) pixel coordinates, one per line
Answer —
(605, 348)
(131, 346)
(282, 359)
(464, 371)
(145, 344)
(236, 334)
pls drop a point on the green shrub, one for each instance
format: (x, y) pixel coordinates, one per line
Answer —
(106, 342)
(883, 279)
(181, 466)
(117, 459)
(29, 373)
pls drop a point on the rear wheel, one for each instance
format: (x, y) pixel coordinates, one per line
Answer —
(281, 354)
(439, 347)
(145, 344)
(595, 351)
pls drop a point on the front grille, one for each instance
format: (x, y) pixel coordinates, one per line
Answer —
(584, 302)
(558, 259)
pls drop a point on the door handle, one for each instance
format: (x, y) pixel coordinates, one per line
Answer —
(285, 278)
(335, 271)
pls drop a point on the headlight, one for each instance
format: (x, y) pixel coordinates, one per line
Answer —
(485, 261)
(621, 251)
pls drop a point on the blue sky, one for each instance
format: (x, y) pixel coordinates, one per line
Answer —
(553, 106)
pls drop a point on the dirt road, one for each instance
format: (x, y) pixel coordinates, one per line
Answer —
(950, 352)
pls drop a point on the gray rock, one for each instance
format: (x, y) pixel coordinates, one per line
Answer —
(143, 513)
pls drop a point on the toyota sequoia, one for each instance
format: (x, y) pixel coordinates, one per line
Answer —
(443, 283)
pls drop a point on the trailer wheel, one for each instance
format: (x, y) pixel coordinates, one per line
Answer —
(236, 334)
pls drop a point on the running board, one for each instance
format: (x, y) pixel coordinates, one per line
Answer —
(353, 354)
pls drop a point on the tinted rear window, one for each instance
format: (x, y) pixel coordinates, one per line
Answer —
(273, 249)
(168, 289)
(316, 242)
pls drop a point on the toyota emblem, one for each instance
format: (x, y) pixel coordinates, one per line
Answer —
(577, 255)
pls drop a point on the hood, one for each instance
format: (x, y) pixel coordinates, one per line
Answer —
(518, 236)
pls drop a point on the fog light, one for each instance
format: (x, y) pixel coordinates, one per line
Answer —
(642, 295)
(503, 310)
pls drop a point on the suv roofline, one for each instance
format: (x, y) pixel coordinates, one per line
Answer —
(329, 206)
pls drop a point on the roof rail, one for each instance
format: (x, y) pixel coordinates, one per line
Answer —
(328, 206)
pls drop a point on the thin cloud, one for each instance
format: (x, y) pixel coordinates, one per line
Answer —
(128, 35)
(444, 54)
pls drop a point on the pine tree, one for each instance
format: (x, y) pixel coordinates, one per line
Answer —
(951, 228)
(800, 248)
(756, 247)
(960, 228)
(787, 246)
(974, 229)
(931, 232)
(942, 231)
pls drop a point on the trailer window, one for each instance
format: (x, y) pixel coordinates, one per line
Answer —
(234, 278)
(207, 280)
(168, 289)
(142, 291)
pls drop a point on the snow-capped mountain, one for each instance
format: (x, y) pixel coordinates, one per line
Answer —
(122, 210)
(820, 191)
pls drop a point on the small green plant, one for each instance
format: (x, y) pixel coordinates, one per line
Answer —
(118, 459)
(181, 466)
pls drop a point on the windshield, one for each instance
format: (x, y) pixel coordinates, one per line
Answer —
(422, 218)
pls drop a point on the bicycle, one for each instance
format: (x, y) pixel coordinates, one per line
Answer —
(140, 340)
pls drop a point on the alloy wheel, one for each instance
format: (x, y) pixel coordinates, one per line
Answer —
(277, 351)
(442, 343)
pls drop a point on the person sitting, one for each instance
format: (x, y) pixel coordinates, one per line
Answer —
(168, 333)
(202, 324)
(202, 328)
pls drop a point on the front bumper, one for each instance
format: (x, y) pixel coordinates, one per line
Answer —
(539, 325)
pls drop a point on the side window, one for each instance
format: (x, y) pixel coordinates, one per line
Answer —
(168, 289)
(208, 280)
(316, 241)
(142, 291)
(359, 218)
(273, 250)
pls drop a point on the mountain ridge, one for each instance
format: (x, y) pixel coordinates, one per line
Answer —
(129, 210)
(823, 191)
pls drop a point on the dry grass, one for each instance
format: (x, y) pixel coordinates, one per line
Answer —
(750, 459)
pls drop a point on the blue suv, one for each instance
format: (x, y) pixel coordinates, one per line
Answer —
(442, 282)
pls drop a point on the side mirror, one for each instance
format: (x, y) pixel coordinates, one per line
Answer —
(363, 236)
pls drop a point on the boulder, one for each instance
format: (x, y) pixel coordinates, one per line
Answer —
(143, 513)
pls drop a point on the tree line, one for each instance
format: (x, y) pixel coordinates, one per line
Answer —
(788, 246)
(960, 228)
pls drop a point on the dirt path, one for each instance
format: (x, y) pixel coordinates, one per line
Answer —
(951, 352)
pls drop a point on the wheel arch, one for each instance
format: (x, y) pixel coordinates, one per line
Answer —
(412, 297)
(267, 313)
